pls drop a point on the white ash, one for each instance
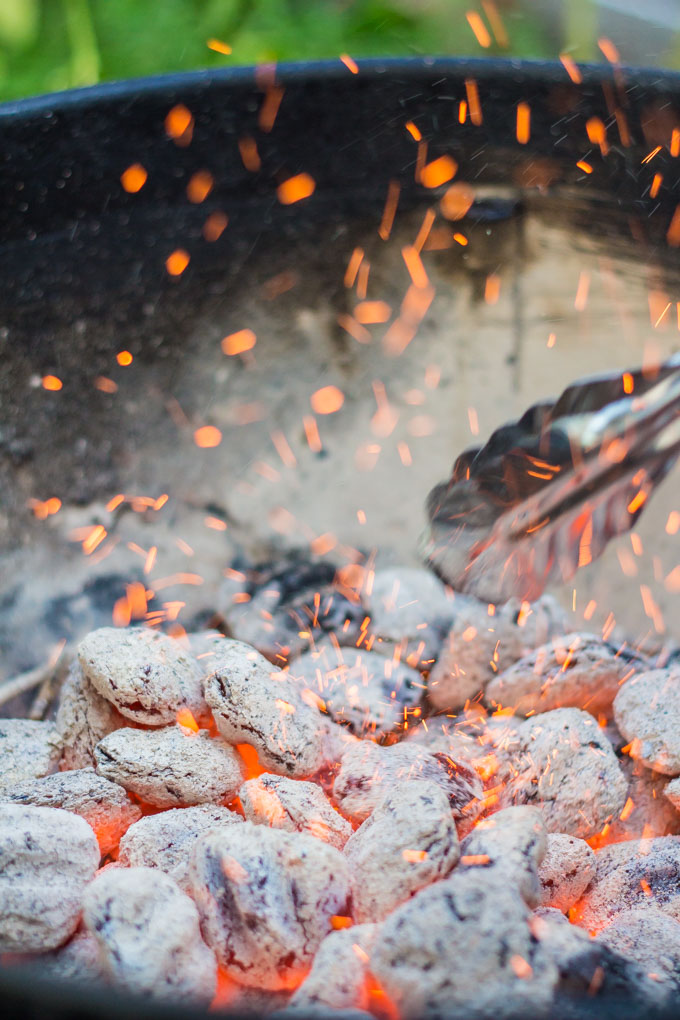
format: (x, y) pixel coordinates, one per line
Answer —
(255, 703)
(166, 840)
(408, 842)
(479, 646)
(369, 771)
(292, 605)
(510, 844)
(647, 711)
(104, 805)
(47, 858)
(649, 938)
(368, 692)
(575, 670)
(293, 805)
(255, 1002)
(149, 936)
(83, 718)
(28, 750)
(146, 675)
(338, 975)
(633, 874)
(404, 599)
(171, 767)
(565, 871)
(567, 766)
(462, 945)
(78, 960)
(266, 899)
(646, 811)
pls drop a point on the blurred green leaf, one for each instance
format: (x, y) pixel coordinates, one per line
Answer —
(19, 22)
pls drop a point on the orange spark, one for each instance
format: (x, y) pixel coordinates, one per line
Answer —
(124, 358)
(474, 860)
(323, 544)
(391, 202)
(177, 262)
(473, 421)
(586, 167)
(353, 267)
(523, 128)
(339, 921)
(673, 523)
(295, 189)
(589, 610)
(474, 104)
(438, 172)
(609, 50)
(520, 966)
(371, 312)
(461, 239)
(95, 537)
(645, 886)
(413, 130)
(628, 382)
(105, 384)
(270, 108)
(238, 343)
(327, 400)
(627, 810)
(479, 29)
(216, 523)
(362, 279)
(207, 437)
(462, 111)
(312, 434)
(214, 226)
(51, 382)
(114, 502)
(349, 63)
(283, 449)
(650, 155)
(134, 178)
(150, 559)
(218, 46)
(425, 228)
(622, 124)
(637, 501)
(250, 157)
(414, 856)
(655, 185)
(597, 134)
(673, 233)
(492, 289)
(415, 267)
(497, 26)
(675, 142)
(121, 613)
(456, 201)
(351, 326)
(571, 68)
(199, 186)
(404, 454)
(581, 299)
(179, 125)
(136, 597)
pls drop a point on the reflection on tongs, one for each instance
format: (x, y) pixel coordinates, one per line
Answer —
(547, 492)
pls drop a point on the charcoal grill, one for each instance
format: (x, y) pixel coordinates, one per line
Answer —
(573, 222)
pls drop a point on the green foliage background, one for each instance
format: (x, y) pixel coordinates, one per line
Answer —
(47, 45)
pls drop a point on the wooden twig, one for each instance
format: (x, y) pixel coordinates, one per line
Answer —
(32, 678)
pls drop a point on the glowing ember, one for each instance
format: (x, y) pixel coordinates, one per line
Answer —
(200, 185)
(177, 262)
(51, 382)
(327, 400)
(124, 358)
(240, 342)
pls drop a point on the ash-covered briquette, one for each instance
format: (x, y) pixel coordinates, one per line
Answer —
(339, 973)
(485, 640)
(407, 842)
(47, 858)
(166, 840)
(291, 604)
(510, 844)
(295, 806)
(650, 938)
(267, 899)
(566, 766)
(78, 960)
(368, 692)
(368, 771)
(575, 670)
(104, 805)
(565, 871)
(147, 676)
(84, 717)
(648, 807)
(149, 936)
(629, 875)
(647, 711)
(28, 750)
(171, 767)
(254, 703)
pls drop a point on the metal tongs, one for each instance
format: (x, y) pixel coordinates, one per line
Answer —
(547, 492)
